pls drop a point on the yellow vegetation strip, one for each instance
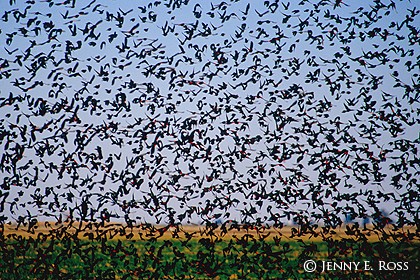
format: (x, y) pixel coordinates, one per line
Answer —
(182, 232)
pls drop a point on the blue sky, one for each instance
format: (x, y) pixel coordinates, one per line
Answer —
(217, 69)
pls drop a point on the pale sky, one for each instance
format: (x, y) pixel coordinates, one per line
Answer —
(223, 70)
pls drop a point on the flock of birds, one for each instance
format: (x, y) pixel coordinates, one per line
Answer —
(241, 112)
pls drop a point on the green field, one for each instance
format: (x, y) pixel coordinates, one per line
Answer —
(244, 257)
